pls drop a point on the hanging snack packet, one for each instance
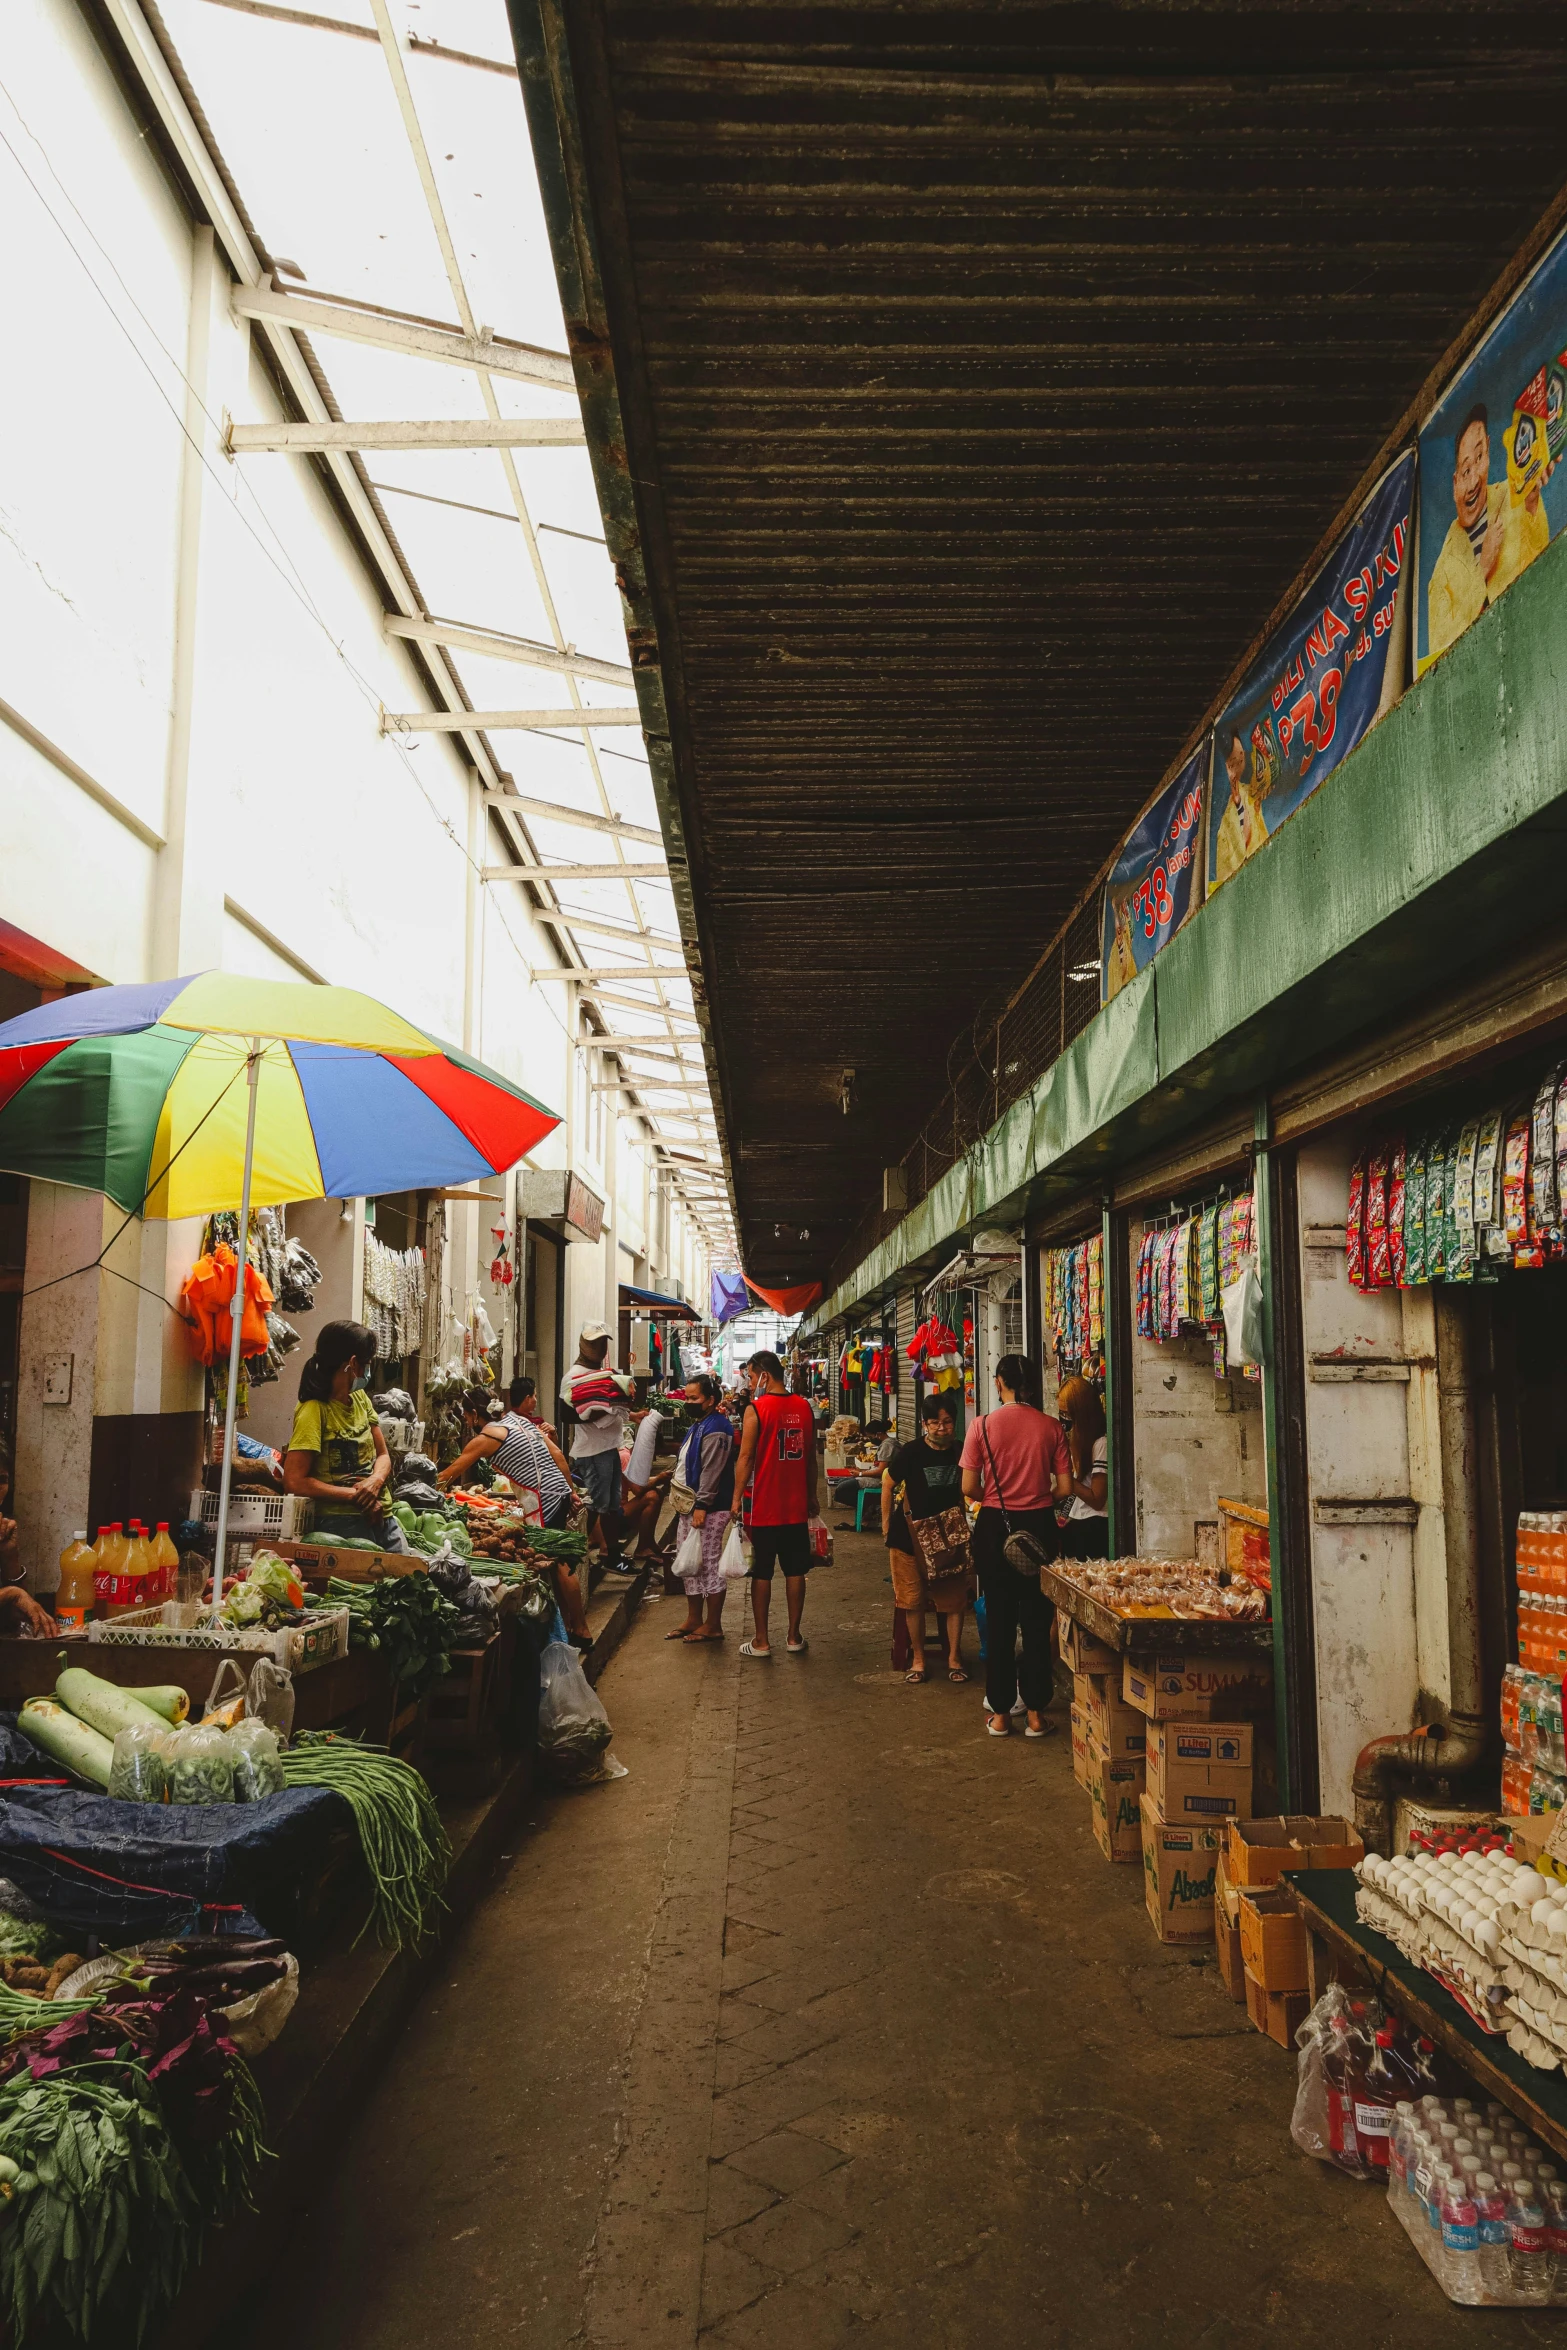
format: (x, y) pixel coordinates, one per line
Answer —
(1415, 1213)
(1145, 1286)
(1436, 1209)
(1379, 1272)
(1515, 1180)
(1463, 1252)
(1208, 1262)
(1459, 1262)
(1395, 1214)
(1355, 1225)
(1544, 1198)
(1488, 1152)
(1184, 1309)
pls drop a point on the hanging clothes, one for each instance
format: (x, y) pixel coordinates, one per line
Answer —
(207, 1297)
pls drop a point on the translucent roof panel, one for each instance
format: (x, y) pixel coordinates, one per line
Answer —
(407, 182)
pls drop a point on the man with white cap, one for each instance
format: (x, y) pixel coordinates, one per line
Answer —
(596, 1395)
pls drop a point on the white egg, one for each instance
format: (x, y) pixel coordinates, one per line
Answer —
(1539, 1912)
(1487, 1938)
(1528, 1886)
(1467, 1924)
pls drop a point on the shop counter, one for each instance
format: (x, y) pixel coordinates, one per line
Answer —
(1325, 1899)
(1141, 1635)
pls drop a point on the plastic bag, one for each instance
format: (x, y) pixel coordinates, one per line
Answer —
(271, 1697)
(735, 1561)
(137, 1773)
(688, 1558)
(254, 2023)
(258, 1766)
(574, 1730)
(821, 1541)
(1323, 2123)
(1242, 1304)
(200, 1766)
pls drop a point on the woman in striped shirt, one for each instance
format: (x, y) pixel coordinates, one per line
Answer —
(520, 1451)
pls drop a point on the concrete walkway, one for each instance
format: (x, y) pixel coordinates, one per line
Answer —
(829, 2024)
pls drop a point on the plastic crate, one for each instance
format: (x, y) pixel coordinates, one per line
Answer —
(283, 1516)
(298, 1646)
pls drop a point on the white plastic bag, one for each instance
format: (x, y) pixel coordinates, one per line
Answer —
(574, 1731)
(1242, 1304)
(688, 1558)
(735, 1561)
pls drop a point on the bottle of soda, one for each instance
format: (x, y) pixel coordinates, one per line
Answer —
(1338, 2081)
(1377, 2089)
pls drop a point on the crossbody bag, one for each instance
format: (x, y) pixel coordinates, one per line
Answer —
(1028, 1568)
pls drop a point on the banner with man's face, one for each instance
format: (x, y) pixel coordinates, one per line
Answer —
(1492, 492)
(1157, 878)
(1321, 683)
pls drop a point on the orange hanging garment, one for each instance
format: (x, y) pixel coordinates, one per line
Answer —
(208, 1295)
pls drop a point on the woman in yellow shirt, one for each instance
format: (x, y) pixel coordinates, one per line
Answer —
(336, 1451)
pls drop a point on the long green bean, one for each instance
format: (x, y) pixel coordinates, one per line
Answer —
(400, 1834)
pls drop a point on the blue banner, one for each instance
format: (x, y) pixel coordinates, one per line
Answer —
(1156, 880)
(1320, 686)
(1491, 498)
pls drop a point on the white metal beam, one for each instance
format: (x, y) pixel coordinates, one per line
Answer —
(521, 805)
(390, 330)
(631, 1003)
(575, 873)
(651, 1084)
(497, 647)
(315, 440)
(503, 721)
(596, 978)
(618, 933)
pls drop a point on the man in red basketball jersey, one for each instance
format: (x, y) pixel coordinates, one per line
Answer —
(776, 1468)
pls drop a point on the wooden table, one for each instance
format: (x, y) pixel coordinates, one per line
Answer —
(1335, 1937)
(1144, 1634)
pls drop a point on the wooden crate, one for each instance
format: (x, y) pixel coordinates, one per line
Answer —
(461, 1711)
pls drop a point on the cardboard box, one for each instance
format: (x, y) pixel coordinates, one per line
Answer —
(1261, 1850)
(1083, 1691)
(1200, 1770)
(1193, 1687)
(1115, 1797)
(1529, 1837)
(1273, 1940)
(318, 1561)
(1081, 1771)
(1227, 1936)
(1120, 1728)
(1179, 1860)
(1279, 2014)
(1081, 1652)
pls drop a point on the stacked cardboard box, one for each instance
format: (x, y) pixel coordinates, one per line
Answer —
(1115, 1736)
(1199, 1776)
(1272, 1939)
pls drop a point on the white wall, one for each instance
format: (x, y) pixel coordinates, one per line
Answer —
(1358, 1451)
(1195, 1438)
(199, 648)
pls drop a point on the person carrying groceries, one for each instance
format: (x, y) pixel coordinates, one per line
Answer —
(1017, 1466)
(777, 1465)
(596, 1394)
(707, 1469)
(918, 1482)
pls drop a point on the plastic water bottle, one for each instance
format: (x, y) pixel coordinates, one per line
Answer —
(1461, 2240)
(1554, 2198)
(1529, 2262)
(1398, 2154)
(1491, 2217)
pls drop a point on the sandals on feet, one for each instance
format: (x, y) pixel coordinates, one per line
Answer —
(955, 1673)
(797, 1647)
(749, 1648)
(914, 1677)
(998, 1726)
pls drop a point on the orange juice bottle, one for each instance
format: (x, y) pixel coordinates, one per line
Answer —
(74, 1599)
(165, 1558)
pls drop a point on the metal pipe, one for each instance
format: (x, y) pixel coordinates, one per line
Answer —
(1456, 1745)
(236, 1317)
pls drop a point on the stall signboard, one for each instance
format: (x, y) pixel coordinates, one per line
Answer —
(1156, 880)
(1492, 492)
(1323, 680)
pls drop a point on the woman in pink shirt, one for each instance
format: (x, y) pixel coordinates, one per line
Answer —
(1017, 1466)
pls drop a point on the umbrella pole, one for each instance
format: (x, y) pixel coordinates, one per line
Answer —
(236, 1317)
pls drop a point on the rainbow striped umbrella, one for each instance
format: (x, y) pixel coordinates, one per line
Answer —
(141, 1092)
(179, 1097)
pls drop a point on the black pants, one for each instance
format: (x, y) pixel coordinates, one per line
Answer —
(1085, 1538)
(1014, 1603)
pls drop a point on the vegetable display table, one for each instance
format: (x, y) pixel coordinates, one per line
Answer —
(350, 1693)
(1143, 1634)
(1325, 1899)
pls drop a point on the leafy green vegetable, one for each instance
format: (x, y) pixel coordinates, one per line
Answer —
(405, 1617)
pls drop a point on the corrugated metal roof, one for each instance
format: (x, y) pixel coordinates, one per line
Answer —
(986, 375)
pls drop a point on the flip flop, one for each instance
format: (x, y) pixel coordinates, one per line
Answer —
(1047, 1729)
(749, 1648)
(797, 1647)
(999, 1727)
(915, 1680)
(955, 1673)
(682, 1634)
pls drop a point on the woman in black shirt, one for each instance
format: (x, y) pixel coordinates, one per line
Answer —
(922, 1479)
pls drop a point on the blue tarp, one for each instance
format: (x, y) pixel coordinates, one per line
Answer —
(123, 1871)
